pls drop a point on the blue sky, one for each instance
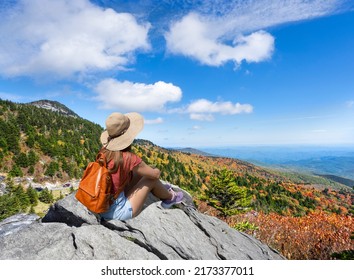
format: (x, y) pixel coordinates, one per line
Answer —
(202, 73)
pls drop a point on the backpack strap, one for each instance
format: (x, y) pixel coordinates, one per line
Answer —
(101, 159)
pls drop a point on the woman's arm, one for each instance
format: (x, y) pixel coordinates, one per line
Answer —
(142, 169)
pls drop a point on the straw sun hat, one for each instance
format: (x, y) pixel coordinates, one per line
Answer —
(121, 129)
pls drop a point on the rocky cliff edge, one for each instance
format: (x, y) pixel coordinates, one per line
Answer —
(70, 231)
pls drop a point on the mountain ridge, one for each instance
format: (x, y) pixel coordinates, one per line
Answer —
(45, 143)
(54, 106)
(190, 150)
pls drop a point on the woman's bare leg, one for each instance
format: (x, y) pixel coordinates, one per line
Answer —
(137, 193)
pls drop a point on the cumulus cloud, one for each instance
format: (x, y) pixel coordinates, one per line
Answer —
(192, 37)
(128, 96)
(214, 32)
(63, 37)
(204, 109)
(66, 37)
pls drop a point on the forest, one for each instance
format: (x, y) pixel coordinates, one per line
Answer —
(301, 220)
(39, 142)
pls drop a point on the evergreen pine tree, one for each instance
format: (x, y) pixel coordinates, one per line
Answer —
(224, 194)
(46, 196)
(15, 171)
(32, 195)
(23, 198)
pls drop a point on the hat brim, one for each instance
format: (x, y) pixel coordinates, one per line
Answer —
(125, 140)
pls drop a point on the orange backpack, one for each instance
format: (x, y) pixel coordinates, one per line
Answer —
(95, 186)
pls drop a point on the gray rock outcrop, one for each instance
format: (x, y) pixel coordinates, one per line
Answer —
(70, 231)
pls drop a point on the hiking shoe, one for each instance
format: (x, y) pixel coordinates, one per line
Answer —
(167, 186)
(176, 199)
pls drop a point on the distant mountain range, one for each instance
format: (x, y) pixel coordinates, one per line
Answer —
(337, 166)
(193, 151)
(335, 163)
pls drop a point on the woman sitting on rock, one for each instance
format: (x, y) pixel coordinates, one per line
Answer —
(132, 178)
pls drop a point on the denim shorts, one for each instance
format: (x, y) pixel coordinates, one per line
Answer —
(121, 209)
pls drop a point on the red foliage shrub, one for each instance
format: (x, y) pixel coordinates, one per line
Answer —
(314, 236)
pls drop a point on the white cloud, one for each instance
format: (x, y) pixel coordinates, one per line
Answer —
(214, 32)
(204, 109)
(225, 108)
(155, 121)
(128, 96)
(201, 117)
(238, 16)
(66, 37)
(194, 38)
(63, 37)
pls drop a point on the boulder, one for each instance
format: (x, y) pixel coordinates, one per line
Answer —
(71, 212)
(57, 241)
(70, 231)
(16, 223)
